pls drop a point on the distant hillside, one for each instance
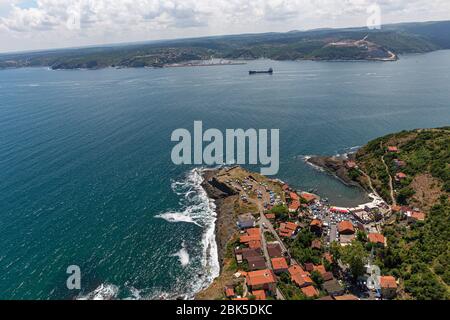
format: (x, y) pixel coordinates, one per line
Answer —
(423, 157)
(324, 44)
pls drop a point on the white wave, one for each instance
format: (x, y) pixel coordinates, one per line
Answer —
(182, 255)
(306, 158)
(176, 217)
(103, 292)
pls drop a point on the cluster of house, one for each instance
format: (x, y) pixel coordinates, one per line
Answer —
(411, 215)
(399, 176)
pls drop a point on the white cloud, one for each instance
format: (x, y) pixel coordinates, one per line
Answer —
(53, 23)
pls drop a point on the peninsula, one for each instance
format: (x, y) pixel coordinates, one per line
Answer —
(276, 242)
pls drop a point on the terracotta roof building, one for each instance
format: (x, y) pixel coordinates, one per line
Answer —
(388, 286)
(310, 291)
(279, 265)
(261, 280)
(300, 276)
(259, 294)
(346, 227)
(256, 263)
(376, 238)
(274, 250)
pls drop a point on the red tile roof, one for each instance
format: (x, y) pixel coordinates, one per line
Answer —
(270, 216)
(328, 257)
(316, 244)
(401, 175)
(416, 215)
(255, 278)
(299, 276)
(376, 238)
(229, 292)
(310, 291)
(254, 244)
(308, 197)
(294, 196)
(392, 149)
(279, 264)
(294, 205)
(259, 294)
(321, 269)
(346, 297)
(388, 282)
(346, 227)
(316, 223)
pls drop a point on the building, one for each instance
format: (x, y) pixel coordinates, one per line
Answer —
(261, 280)
(288, 229)
(416, 216)
(270, 216)
(316, 226)
(246, 221)
(388, 286)
(274, 250)
(294, 196)
(299, 276)
(376, 238)
(329, 257)
(351, 164)
(259, 294)
(316, 244)
(256, 263)
(399, 163)
(279, 265)
(393, 149)
(310, 291)
(346, 297)
(294, 206)
(308, 197)
(346, 227)
(333, 287)
(400, 176)
(229, 292)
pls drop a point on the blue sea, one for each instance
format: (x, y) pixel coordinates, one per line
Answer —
(86, 176)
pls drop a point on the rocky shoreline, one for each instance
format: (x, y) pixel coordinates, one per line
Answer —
(224, 199)
(335, 165)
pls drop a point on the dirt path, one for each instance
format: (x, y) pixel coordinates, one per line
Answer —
(391, 186)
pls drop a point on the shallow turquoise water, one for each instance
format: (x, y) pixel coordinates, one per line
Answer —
(85, 158)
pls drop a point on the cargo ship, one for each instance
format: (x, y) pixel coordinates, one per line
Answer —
(270, 71)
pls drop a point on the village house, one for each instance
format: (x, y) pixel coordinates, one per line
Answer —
(333, 287)
(256, 263)
(274, 250)
(261, 280)
(288, 229)
(229, 292)
(299, 276)
(308, 197)
(388, 286)
(310, 291)
(376, 238)
(246, 221)
(328, 257)
(294, 206)
(400, 176)
(346, 227)
(416, 216)
(393, 149)
(252, 238)
(316, 244)
(346, 297)
(259, 295)
(279, 265)
(399, 163)
(351, 164)
(316, 226)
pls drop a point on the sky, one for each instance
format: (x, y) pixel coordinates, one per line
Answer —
(42, 24)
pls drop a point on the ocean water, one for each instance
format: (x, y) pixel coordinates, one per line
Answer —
(86, 177)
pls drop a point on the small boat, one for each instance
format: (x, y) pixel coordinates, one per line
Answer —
(270, 71)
